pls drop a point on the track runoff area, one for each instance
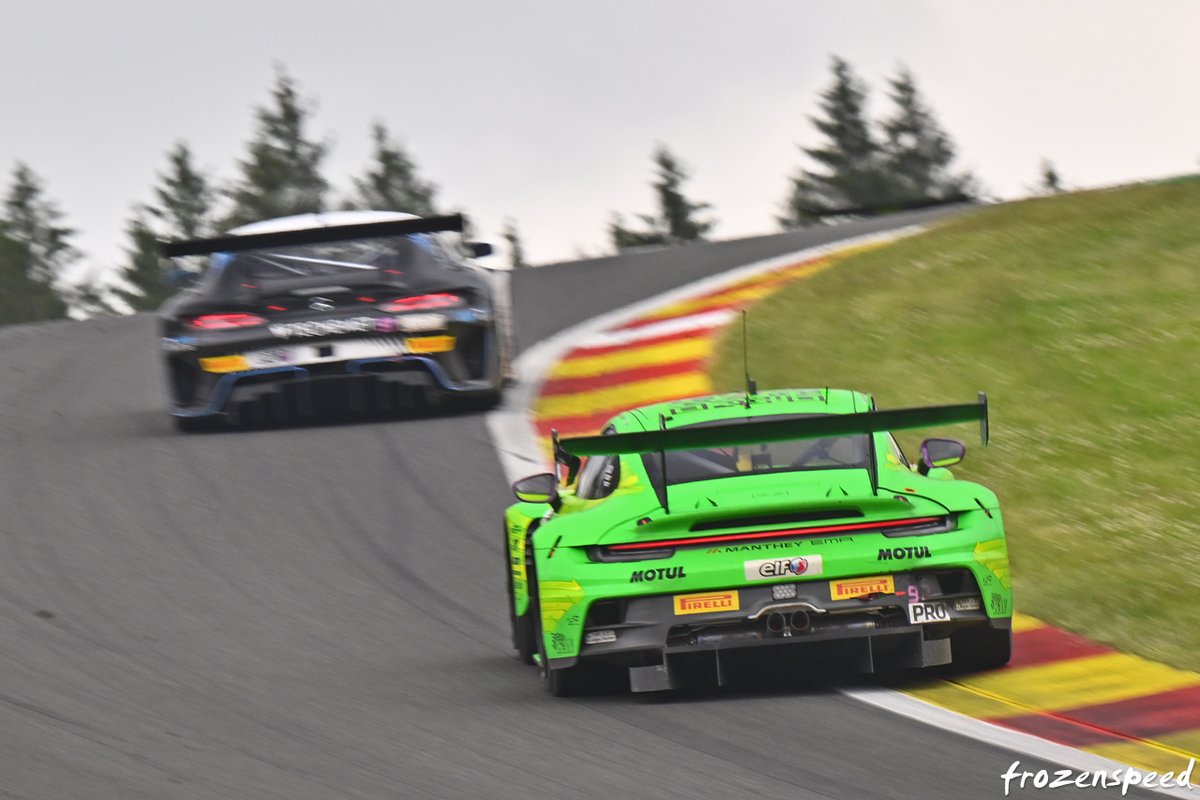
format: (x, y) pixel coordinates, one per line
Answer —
(1062, 697)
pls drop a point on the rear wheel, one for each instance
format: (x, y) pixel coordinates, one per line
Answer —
(492, 364)
(563, 682)
(567, 681)
(980, 648)
(524, 637)
(483, 401)
(195, 424)
(524, 634)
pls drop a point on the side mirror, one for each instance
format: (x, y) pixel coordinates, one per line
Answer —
(479, 249)
(540, 488)
(936, 453)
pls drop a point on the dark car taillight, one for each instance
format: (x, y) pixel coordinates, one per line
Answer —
(422, 302)
(224, 322)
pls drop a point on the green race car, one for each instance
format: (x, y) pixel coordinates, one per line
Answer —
(700, 535)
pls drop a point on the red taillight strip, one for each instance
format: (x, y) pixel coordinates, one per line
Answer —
(422, 302)
(776, 534)
(223, 322)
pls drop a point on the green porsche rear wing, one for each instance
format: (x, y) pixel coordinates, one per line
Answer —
(776, 430)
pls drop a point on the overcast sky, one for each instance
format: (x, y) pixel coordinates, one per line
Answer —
(547, 112)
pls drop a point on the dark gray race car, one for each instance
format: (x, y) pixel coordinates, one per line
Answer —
(357, 310)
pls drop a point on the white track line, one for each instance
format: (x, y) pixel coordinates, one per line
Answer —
(705, 320)
(515, 439)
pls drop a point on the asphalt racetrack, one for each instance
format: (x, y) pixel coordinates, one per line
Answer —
(318, 612)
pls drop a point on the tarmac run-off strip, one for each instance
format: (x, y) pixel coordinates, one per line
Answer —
(1059, 686)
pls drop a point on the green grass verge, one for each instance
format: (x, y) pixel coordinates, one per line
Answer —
(1079, 315)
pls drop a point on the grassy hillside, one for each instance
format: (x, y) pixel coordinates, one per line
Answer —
(1080, 316)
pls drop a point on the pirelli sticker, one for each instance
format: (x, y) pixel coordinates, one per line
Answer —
(706, 602)
(861, 587)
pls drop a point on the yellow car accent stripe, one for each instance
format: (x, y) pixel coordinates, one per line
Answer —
(430, 344)
(225, 364)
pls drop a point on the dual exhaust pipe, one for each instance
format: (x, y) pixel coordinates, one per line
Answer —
(786, 624)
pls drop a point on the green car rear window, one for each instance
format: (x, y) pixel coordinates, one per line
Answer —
(686, 466)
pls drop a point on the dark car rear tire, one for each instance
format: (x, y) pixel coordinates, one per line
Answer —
(485, 401)
(980, 648)
(195, 424)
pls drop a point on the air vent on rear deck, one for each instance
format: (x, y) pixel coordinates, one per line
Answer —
(778, 519)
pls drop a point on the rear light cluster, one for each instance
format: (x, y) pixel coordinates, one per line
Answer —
(422, 302)
(231, 321)
(225, 322)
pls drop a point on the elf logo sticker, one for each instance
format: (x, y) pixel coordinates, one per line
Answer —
(706, 602)
(771, 569)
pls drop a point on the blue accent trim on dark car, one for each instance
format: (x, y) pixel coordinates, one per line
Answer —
(435, 369)
(220, 393)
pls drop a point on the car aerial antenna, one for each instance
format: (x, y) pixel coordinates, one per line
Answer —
(751, 386)
(662, 454)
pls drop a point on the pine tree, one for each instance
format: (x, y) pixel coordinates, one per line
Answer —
(93, 294)
(23, 299)
(624, 238)
(392, 184)
(677, 212)
(184, 210)
(803, 205)
(282, 173)
(677, 219)
(516, 252)
(34, 221)
(850, 173)
(185, 197)
(144, 269)
(1051, 183)
(917, 152)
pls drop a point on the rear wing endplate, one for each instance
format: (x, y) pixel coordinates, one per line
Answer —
(751, 432)
(330, 233)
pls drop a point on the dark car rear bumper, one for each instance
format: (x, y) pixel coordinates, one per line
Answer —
(359, 384)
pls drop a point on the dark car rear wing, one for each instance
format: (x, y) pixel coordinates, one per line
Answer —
(751, 432)
(330, 233)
